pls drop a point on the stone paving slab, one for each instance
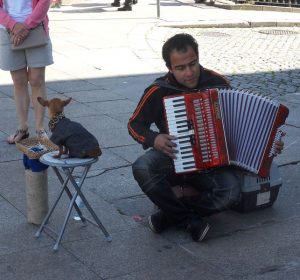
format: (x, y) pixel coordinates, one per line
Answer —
(115, 186)
(120, 106)
(251, 259)
(46, 266)
(16, 233)
(94, 96)
(141, 254)
(129, 153)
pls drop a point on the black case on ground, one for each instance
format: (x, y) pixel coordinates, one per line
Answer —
(258, 192)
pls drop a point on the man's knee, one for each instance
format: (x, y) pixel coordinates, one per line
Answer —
(149, 170)
(152, 162)
(143, 173)
(139, 167)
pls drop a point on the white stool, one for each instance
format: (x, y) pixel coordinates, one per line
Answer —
(68, 165)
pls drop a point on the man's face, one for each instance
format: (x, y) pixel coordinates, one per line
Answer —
(185, 67)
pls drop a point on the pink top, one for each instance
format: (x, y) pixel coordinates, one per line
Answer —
(39, 14)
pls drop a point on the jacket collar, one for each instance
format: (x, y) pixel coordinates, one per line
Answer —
(170, 78)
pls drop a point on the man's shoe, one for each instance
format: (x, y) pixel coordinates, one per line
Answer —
(116, 3)
(158, 222)
(198, 229)
(125, 8)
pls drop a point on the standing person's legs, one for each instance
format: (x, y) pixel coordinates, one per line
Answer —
(116, 3)
(127, 5)
(17, 62)
(37, 60)
(22, 100)
(36, 77)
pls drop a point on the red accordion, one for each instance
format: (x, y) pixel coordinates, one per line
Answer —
(220, 127)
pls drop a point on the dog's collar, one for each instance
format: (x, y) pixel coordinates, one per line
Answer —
(55, 120)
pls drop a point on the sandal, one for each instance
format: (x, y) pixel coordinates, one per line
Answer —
(41, 134)
(19, 135)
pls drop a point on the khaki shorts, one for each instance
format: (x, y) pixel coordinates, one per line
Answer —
(14, 60)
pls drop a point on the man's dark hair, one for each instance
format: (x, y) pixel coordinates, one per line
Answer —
(179, 42)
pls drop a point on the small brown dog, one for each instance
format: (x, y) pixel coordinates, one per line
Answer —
(71, 137)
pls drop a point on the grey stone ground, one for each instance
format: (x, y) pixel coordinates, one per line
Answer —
(103, 60)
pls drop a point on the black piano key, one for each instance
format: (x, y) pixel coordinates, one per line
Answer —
(190, 156)
(179, 111)
(192, 139)
(178, 105)
(189, 167)
(188, 162)
(184, 121)
(182, 130)
(186, 152)
(182, 125)
(182, 137)
(185, 141)
(186, 148)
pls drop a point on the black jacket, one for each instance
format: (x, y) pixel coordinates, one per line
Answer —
(150, 107)
(73, 136)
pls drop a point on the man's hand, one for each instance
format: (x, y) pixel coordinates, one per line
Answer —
(278, 147)
(164, 144)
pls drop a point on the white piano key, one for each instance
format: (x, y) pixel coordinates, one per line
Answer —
(175, 106)
(173, 99)
(177, 118)
(179, 131)
(183, 165)
(174, 110)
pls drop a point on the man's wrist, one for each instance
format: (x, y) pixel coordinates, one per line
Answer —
(150, 138)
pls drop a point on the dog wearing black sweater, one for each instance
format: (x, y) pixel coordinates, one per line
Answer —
(71, 137)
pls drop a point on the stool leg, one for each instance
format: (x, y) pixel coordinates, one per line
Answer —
(69, 192)
(89, 208)
(97, 220)
(60, 235)
(45, 221)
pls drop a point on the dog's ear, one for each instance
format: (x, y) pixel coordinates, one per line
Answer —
(43, 102)
(66, 102)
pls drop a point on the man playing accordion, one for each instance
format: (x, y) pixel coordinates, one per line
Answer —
(209, 191)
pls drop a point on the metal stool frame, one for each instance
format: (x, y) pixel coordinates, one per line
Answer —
(68, 168)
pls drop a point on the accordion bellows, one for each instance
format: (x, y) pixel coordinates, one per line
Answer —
(220, 127)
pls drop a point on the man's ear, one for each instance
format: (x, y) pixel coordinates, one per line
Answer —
(43, 102)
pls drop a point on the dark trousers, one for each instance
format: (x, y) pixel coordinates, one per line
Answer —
(219, 188)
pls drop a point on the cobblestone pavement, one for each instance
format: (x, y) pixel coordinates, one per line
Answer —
(250, 57)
